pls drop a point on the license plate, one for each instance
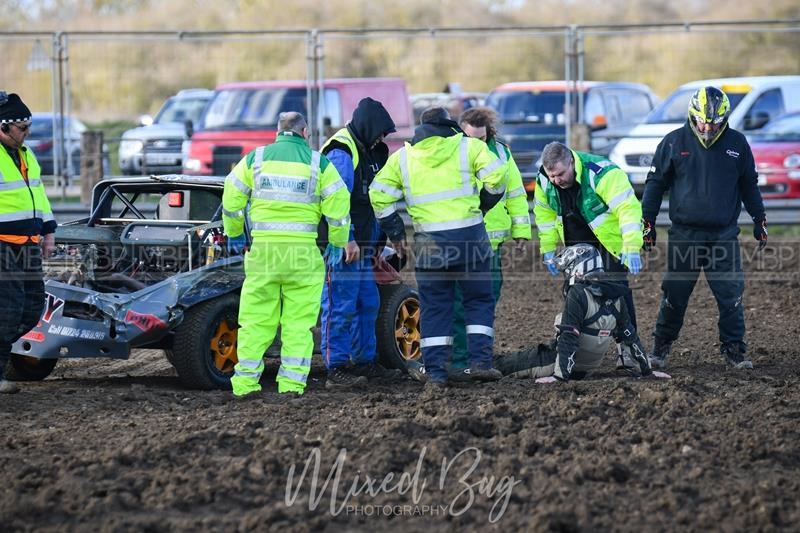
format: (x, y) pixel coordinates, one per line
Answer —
(762, 179)
(161, 159)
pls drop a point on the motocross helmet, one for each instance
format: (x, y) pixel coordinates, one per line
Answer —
(709, 109)
(579, 262)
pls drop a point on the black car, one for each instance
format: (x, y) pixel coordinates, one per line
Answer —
(148, 269)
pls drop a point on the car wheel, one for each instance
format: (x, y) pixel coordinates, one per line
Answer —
(204, 348)
(26, 368)
(397, 327)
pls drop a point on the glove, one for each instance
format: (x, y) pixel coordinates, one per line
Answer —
(333, 255)
(633, 261)
(550, 261)
(648, 234)
(236, 245)
(760, 232)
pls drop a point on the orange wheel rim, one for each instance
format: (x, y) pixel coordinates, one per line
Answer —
(223, 347)
(406, 331)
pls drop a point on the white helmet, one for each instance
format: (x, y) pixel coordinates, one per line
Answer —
(578, 261)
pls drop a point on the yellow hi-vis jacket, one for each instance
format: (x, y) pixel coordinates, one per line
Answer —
(606, 202)
(24, 208)
(440, 179)
(510, 218)
(289, 188)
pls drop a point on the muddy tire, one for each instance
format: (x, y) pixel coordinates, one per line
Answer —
(397, 327)
(25, 368)
(204, 348)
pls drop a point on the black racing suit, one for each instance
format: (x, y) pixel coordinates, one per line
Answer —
(706, 189)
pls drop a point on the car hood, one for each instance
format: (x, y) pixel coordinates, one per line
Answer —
(774, 151)
(654, 130)
(169, 130)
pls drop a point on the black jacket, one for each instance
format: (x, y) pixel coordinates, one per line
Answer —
(706, 185)
(370, 121)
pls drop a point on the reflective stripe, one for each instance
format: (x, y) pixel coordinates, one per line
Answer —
(543, 181)
(594, 224)
(258, 160)
(296, 361)
(500, 234)
(312, 183)
(386, 189)
(488, 169)
(521, 220)
(452, 224)
(46, 217)
(501, 151)
(252, 364)
(618, 199)
(18, 215)
(236, 182)
(12, 185)
(233, 214)
(466, 180)
(290, 374)
(435, 341)
(519, 191)
(339, 222)
(383, 213)
(330, 189)
(284, 226)
(545, 227)
(633, 226)
(285, 197)
(246, 374)
(475, 329)
(542, 204)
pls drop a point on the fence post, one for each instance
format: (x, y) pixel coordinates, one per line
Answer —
(91, 163)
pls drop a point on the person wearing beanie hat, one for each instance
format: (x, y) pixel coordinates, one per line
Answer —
(26, 221)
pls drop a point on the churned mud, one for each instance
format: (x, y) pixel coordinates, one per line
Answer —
(121, 446)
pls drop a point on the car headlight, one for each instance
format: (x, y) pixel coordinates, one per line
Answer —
(792, 160)
(128, 148)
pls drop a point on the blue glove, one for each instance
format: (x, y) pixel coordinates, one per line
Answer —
(333, 255)
(236, 245)
(633, 261)
(550, 261)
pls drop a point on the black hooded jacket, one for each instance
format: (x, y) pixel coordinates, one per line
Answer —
(370, 120)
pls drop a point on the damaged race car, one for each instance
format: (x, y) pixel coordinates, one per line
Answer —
(148, 268)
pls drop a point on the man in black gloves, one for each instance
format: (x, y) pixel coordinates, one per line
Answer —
(709, 171)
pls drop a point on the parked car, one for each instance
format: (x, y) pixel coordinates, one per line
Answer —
(148, 268)
(43, 138)
(455, 103)
(155, 146)
(754, 102)
(776, 149)
(242, 116)
(532, 114)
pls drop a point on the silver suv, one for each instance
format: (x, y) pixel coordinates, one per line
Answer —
(155, 147)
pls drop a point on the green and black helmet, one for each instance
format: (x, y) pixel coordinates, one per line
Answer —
(709, 109)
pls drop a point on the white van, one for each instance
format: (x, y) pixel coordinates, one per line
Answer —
(754, 100)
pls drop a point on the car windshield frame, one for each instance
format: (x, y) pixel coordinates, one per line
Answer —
(192, 109)
(675, 108)
(251, 108)
(542, 107)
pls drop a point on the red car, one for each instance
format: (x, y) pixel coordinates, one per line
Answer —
(776, 148)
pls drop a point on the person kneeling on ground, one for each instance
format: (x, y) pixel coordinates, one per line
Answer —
(594, 314)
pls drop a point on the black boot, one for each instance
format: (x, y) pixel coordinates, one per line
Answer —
(734, 353)
(658, 359)
(376, 371)
(343, 378)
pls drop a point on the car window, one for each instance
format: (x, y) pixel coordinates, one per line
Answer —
(633, 105)
(252, 108)
(786, 128)
(593, 107)
(771, 103)
(41, 128)
(676, 107)
(528, 106)
(181, 109)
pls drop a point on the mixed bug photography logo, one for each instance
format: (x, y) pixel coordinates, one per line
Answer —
(451, 488)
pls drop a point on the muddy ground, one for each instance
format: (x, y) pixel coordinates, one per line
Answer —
(121, 446)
